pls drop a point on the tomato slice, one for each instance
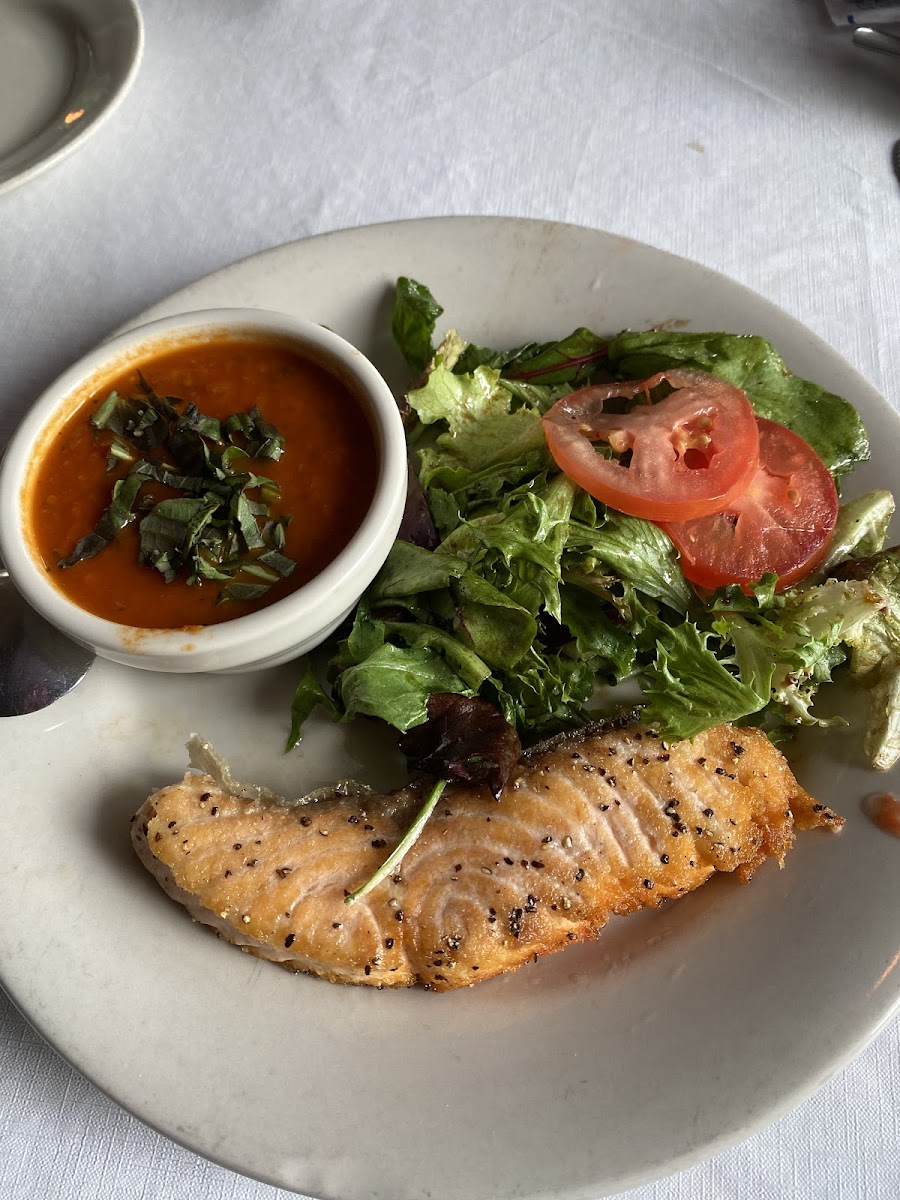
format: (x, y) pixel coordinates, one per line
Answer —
(690, 454)
(781, 524)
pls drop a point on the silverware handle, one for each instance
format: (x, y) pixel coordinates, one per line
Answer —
(876, 39)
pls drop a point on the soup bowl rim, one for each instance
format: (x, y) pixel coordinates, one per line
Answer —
(285, 629)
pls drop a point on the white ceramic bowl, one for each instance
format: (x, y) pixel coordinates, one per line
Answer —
(272, 635)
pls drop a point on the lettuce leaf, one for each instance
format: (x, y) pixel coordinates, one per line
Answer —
(518, 546)
(493, 625)
(308, 694)
(777, 660)
(875, 661)
(688, 689)
(412, 321)
(547, 693)
(608, 646)
(633, 550)
(860, 531)
(410, 569)
(786, 655)
(490, 443)
(394, 683)
(573, 360)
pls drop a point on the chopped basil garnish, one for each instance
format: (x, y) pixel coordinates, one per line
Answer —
(219, 527)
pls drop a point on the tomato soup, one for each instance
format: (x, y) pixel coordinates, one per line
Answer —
(326, 476)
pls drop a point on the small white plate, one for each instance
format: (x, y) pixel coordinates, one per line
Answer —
(677, 1032)
(64, 67)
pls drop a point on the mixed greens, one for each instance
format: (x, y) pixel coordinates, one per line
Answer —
(512, 585)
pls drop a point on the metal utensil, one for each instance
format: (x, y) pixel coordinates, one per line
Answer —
(876, 39)
(38, 664)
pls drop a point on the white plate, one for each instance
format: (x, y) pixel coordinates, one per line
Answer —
(64, 66)
(676, 1033)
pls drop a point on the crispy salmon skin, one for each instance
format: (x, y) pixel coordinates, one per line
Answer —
(596, 824)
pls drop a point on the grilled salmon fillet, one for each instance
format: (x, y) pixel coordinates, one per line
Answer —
(593, 825)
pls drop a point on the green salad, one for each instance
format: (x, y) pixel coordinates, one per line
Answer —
(511, 586)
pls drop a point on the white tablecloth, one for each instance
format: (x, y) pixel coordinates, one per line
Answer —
(749, 136)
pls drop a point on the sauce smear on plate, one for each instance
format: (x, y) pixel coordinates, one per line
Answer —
(883, 810)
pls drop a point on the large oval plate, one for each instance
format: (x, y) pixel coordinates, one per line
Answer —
(676, 1033)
